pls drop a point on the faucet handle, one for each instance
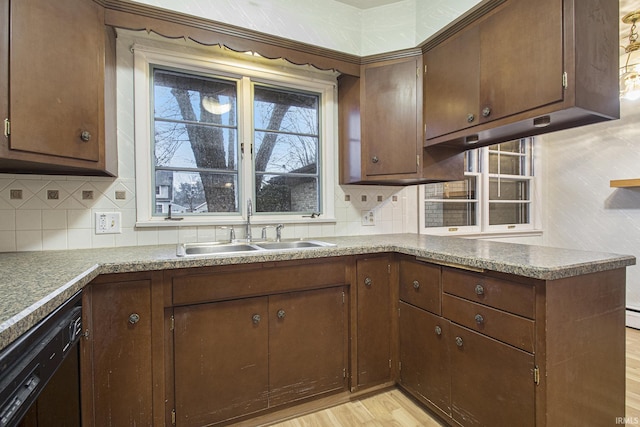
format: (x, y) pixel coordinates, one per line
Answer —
(264, 231)
(279, 228)
(232, 232)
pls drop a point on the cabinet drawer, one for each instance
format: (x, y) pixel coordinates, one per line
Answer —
(255, 280)
(503, 326)
(516, 298)
(420, 285)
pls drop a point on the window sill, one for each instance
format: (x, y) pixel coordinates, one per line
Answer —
(490, 234)
(203, 222)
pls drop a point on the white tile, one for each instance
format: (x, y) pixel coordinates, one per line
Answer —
(128, 237)
(168, 235)
(7, 220)
(79, 218)
(103, 240)
(54, 240)
(29, 220)
(54, 220)
(79, 238)
(7, 241)
(28, 240)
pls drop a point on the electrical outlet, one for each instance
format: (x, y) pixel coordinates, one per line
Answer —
(368, 218)
(108, 223)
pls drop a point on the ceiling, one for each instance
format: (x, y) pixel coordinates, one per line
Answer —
(626, 6)
(368, 4)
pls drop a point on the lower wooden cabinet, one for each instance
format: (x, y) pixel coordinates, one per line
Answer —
(374, 289)
(116, 353)
(424, 356)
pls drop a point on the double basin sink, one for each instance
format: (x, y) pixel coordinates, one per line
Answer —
(215, 248)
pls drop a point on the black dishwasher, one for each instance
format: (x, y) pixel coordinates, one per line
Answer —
(28, 364)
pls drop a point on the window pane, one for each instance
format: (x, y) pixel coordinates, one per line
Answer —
(282, 193)
(508, 189)
(508, 213)
(508, 164)
(286, 148)
(195, 192)
(451, 214)
(182, 145)
(452, 190)
(180, 96)
(287, 153)
(515, 146)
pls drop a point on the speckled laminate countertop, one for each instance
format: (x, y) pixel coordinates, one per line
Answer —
(32, 284)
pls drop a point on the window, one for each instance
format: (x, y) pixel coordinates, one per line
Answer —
(497, 194)
(225, 130)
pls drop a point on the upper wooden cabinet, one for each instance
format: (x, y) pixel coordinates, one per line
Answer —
(58, 80)
(380, 122)
(523, 69)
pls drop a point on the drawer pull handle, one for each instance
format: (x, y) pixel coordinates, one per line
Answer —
(459, 341)
(479, 319)
(479, 290)
(134, 318)
(281, 314)
(416, 284)
(438, 330)
(368, 282)
(255, 319)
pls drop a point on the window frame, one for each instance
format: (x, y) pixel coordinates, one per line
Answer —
(249, 71)
(480, 169)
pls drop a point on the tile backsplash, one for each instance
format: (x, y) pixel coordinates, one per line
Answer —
(50, 213)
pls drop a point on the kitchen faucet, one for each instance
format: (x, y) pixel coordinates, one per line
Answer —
(248, 226)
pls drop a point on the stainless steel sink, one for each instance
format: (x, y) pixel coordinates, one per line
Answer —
(214, 248)
(295, 244)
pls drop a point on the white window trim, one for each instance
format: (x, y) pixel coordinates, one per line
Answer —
(483, 229)
(195, 60)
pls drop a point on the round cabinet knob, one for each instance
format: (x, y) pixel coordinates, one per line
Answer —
(459, 341)
(470, 117)
(438, 330)
(134, 318)
(368, 282)
(85, 136)
(255, 319)
(375, 159)
(479, 290)
(281, 314)
(416, 284)
(486, 112)
(479, 319)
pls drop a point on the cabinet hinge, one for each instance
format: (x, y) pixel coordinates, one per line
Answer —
(417, 72)
(565, 80)
(418, 160)
(425, 69)
(343, 298)
(7, 127)
(389, 268)
(536, 375)
(173, 323)
(173, 417)
(389, 363)
(399, 366)
(344, 372)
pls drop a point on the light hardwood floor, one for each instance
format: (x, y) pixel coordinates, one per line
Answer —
(393, 408)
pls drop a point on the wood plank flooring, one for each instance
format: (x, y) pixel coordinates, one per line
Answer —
(393, 408)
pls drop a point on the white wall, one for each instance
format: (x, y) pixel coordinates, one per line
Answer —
(36, 223)
(581, 210)
(331, 24)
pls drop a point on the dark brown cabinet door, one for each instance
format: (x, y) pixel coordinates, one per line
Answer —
(118, 354)
(374, 321)
(492, 384)
(424, 355)
(221, 365)
(391, 126)
(307, 344)
(452, 84)
(57, 77)
(521, 66)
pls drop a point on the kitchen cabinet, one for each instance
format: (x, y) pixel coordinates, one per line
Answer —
(257, 338)
(374, 292)
(523, 69)
(117, 372)
(58, 82)
(487, 348)
(380, 125)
